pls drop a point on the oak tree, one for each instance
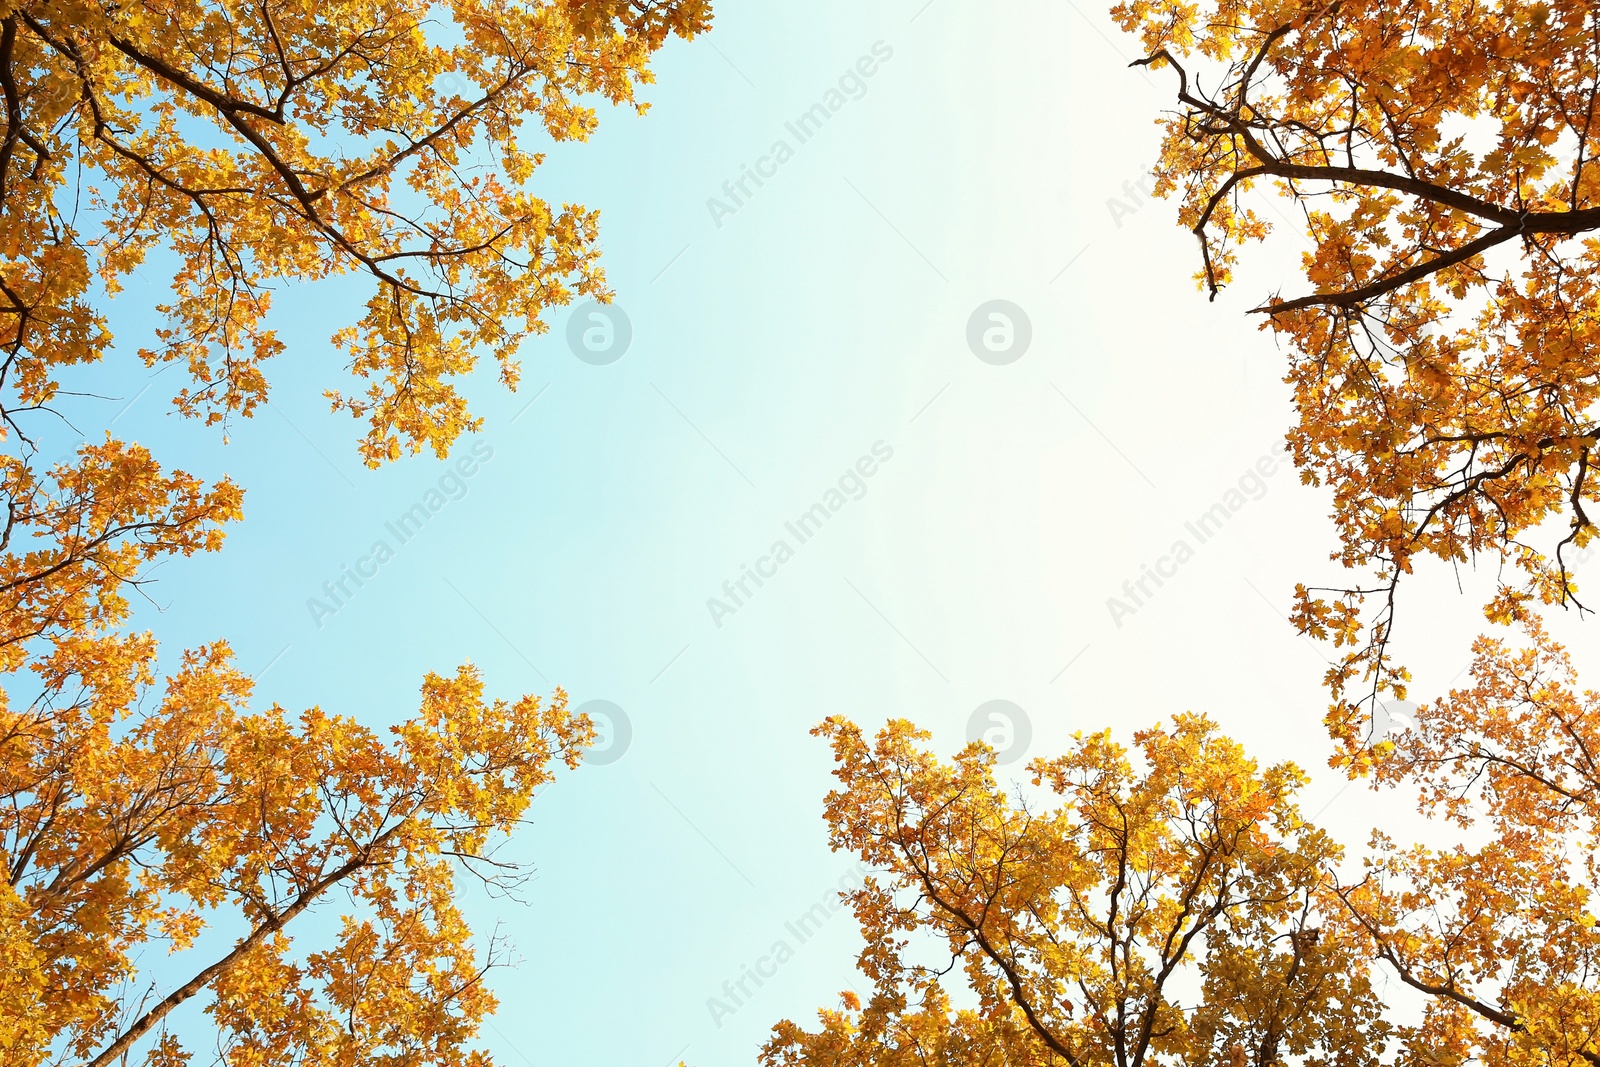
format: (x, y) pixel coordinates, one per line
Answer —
(1446, 371)
(1440, 159)
(141, 819)
(1163, 906)
(287, 141)
(1497, 930)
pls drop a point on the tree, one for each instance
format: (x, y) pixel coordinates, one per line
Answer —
(1166, 908)
(1175, 909)
(286, 141)
(1499, 934)
(128, 829)
(1446, 358)
(253, 145)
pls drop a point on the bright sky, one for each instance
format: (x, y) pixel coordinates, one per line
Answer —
(805, 340)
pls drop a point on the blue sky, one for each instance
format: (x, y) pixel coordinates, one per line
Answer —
(993, 153)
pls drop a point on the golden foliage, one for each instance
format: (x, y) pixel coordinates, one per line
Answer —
(1168, 907)
(1446, 361)
(277, 142)
(252, 145)
(1174, 908)
(1500, 936)
(129, 823)
(75, 538)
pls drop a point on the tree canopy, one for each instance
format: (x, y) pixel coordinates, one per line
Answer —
(126, 829)
(247, 146)
(1171, 905)
(1163, 908)
(265, 143)
(1445, 353)
(1163, 903)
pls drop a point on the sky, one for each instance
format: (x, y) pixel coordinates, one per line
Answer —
(949, 316)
